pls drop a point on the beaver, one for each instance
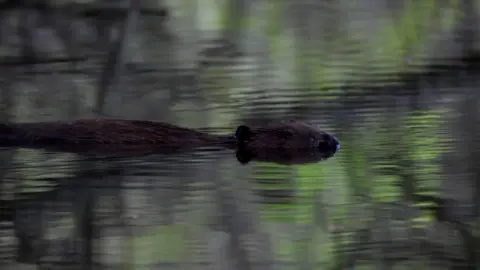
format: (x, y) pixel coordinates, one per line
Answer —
(284, 142)
(108, 136)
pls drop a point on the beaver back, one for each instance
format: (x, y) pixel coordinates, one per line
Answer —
(110, 131)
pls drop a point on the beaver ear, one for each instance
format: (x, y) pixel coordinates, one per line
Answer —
(243, 156)
(243, 133)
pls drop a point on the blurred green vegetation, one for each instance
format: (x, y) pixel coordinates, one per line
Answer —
(333, 54)
(368, 164)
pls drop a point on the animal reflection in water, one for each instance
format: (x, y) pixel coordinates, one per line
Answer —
(285, 142)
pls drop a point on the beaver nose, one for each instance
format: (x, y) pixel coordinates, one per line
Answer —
(336, 143)
(329, 146)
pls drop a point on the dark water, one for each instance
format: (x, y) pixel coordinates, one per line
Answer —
(402, 193)
(204, 209)
(166, 210)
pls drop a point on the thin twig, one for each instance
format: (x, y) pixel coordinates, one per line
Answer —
(116, 56)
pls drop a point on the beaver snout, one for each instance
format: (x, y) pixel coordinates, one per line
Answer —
(329, 145)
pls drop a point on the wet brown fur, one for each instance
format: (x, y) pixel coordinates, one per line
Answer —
(284, 142)
(109, 135)
(289, 134)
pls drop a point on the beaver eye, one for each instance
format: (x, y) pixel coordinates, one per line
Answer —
(323, 147)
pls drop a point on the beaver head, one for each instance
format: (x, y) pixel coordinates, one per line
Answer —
(287, 142)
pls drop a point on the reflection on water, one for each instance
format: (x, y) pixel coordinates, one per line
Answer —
(167, 210)
(402, 192)
(202, 208)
